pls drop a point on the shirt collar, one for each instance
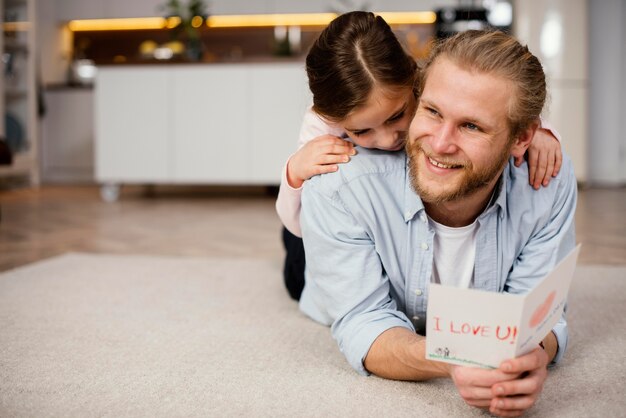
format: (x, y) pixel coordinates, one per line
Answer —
(500, 194)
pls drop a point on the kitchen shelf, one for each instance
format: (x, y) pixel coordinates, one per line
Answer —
(22, 163)
(15, 94)
(15, 46)
(19, 94)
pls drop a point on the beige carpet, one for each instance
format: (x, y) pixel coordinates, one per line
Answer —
(94, 335)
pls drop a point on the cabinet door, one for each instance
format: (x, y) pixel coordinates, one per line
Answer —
(279, 96)
(132, 125)
(211, 130)
(67, 136)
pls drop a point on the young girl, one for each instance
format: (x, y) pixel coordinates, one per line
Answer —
(364, 93)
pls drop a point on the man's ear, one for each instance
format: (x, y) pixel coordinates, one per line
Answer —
(523, 140)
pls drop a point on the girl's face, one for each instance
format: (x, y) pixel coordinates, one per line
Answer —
(383, 122)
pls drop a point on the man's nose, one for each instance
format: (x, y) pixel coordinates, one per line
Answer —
(444, 139)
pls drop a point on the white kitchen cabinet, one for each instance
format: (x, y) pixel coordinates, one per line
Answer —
(67, 136)
(197, 124)
(210, 132)
(279, 96)
(132, 123)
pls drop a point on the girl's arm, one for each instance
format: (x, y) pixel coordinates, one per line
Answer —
(544, 156)
(319, 151)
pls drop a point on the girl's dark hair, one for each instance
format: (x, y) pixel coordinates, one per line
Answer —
(356, 52)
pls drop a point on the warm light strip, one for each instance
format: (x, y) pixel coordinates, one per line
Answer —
(408, 18)
(16, 26)
(301, 19)
(233, 21)
(123, 24)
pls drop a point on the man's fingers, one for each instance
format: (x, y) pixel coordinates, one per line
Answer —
(512, 403)
(529, 385)
(506, 413)
(531, 361)
(476, 396)
(475, 377)
(479, 403)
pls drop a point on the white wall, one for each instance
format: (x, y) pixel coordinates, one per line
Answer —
(556, 31)
(607, 70)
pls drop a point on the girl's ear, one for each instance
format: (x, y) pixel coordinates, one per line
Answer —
(522, 142)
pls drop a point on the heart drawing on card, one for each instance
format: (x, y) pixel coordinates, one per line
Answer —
(542, 311)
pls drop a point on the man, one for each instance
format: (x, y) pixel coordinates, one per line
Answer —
(452, 210)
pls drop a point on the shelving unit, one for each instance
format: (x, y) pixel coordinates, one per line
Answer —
(18, 102)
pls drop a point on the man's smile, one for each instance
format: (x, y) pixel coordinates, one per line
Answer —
(440, 164)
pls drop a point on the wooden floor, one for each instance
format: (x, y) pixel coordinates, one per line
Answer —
(201, 222)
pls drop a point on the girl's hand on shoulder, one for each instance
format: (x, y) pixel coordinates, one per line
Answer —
(318, 156)
(544, 158)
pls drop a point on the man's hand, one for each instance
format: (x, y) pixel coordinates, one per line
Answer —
(544, 158)
(318, 156)
(475, 385)
(512, 397)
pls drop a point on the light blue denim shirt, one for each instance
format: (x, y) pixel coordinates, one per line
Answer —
(369, 245)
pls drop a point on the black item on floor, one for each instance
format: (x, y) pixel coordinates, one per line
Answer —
(294, 264)
(6, 156)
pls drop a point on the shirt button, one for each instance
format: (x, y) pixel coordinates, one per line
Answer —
(418, 292)
(407, 214)
(423, 218)
(424, 246)
(416, 318)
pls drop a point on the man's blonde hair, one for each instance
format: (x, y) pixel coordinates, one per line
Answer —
(497, 53)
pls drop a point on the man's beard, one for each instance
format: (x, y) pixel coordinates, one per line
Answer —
(472, 180)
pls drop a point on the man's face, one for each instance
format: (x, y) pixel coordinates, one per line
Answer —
(458, 140)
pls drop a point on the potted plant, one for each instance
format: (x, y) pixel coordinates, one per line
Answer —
(193, 16)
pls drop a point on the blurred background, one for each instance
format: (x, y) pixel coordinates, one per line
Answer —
(161, 126)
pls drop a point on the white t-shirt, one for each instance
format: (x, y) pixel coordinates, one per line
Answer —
(454, 254)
